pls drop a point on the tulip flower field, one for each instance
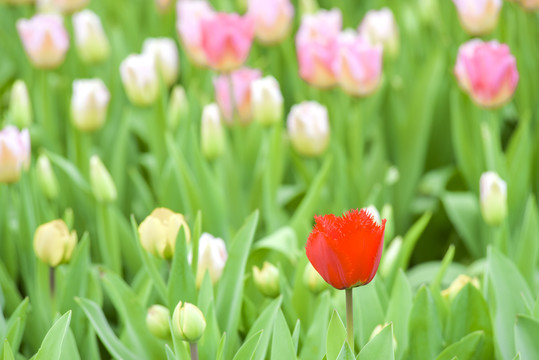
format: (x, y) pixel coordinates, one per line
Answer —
(269, 179)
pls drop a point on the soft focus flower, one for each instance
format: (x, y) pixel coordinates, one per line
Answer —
(157, 320)
(89, 104)
(531, 5)
(316, 46)
(140, 79)
(266, 100)
(346, 250)
(380, 28)
(189, 25)
(90, 38)
(267, 280)
(457, 285)
(20, 106)
(493, 198)
(163, 6)
(53, 243)
(45, 40)
(359, 64)
(158, 232)
(273, 19)
(478, 17)
(313, 280)
(69, 6)
(212, 132)
(178, 107)
(308, 128)
(165, 55)
(212, 256)
(14, 153)
(188, 322)
(102, 184)
(241, 90)
(46, 178)
(487, 71)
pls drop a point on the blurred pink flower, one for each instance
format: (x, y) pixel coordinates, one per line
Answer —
(189, 26)
(380, 27)
(359, 64)
(273, 19)
(487, 71)
(227, 39)
(14, 153)
(45, 40)
(241, 87)
(478, 17)
(530, 4)
(316, 46)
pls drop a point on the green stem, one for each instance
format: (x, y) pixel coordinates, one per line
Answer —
(350, 318)
(194, 351)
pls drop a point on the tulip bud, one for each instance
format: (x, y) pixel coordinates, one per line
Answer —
(166, 58)
(240, 103)
(267, 280)
(316, 47)
(163, 6)
(47, 179)
(20, 105)
(212, 256)
(188, 322)
(212, 132)
(178, 107)
(359, 64)
(457, 285)
(102, 184)
(157, 321)
(90, 38)
(266, 101)
(53, 243)
(89, 104)
(45, 40)
(158, 232)
(478, 17)
(380, 28)
(487, 72)
(493, 198)
(14, 153)
(273, 19)
(531, 5)
(189, 25)
(313, 280)
(308, 128)
(140, 79)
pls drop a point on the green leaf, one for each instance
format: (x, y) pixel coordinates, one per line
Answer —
(282, 345)
(380, 347)
(283, 241)
(314, 344)
(71, 171)
(399, 309)
(526, 336)
(295, 335)
(181, 283)
(336, 336)
(7, 353)
(411, 238)
(265, 322)
(169, 353)
(51, 347)
(435, 285)
(346, 353)
(221, 348)
(15, 325)
(247, 350)
(527, 247)
(465, 348)
(424, 327)
(109, 339)
(368, 310)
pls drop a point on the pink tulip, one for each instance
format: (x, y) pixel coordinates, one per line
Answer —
(227, 39)
(487, 71)
(241, 87)
(380, 27)
(189, 26)
(316, 46)
(478, 17)
(359, 64)
(14, 153)
(273, 19)
(45, 40)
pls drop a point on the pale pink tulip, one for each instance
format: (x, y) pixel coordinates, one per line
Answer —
(45, 40)
(308, 128)
(487, 71)
(478, 17)
(140, 79)
(14, 153)
(241, 87)
(316, 46)
(273, 19)
(165, 53)
(380, 28)
(190, 15)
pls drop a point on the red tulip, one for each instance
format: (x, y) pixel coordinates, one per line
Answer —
(346, 250)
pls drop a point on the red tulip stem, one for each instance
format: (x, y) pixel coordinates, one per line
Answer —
(350, 318)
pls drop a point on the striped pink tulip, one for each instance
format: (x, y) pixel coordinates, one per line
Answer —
(190, 15)
(273, 19)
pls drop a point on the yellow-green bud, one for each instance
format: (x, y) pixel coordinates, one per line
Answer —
(157, 321)
(188, 322)
(178, 107)
(53, 243)
(90, 38)
(493, 198)
(212, 132)
(313, 280)
(47, 179)
(20, 105)
(457, 285)
(102, 184)
(267, 280)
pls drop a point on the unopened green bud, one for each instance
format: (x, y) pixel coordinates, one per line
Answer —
(53, 243)
(267, 280)
(212, 132)
(102, 184)
(457, 285)
(493, 196)
(178, 107)
(313, 280)
(47, 179)
(188, 322)
(20, 105)
(157, 321)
